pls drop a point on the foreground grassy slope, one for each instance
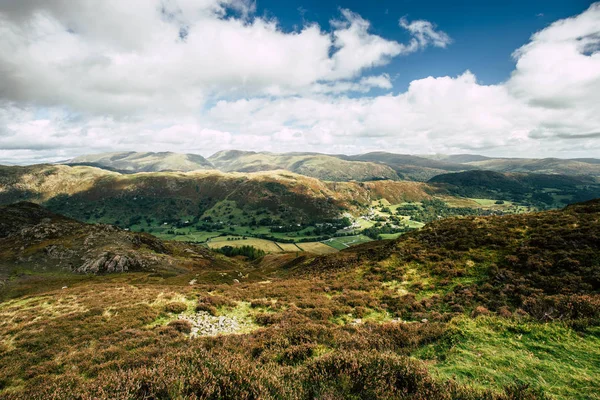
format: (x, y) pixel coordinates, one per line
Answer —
(470, 308)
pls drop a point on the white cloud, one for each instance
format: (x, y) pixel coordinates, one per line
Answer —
(425, 34)
(187, 79)
(170, 56)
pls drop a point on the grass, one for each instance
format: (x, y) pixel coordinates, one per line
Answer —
(492, 352)
(349, 325)
(317, 248)
(262, 244)
(290, 247)
(270, 246)
(390, 235)
(343, 242)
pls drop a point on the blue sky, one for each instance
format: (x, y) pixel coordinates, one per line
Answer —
(498, 78)
(484, 32)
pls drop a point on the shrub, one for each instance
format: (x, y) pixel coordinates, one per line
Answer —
(210, 304)
(480, 310)
(297, 354)
(181, 325)
(212, 310)
(260, 303)
(175, 307)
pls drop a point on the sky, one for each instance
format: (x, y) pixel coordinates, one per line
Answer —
(498, 78)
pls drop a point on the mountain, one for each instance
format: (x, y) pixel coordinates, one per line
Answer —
(131, 162)
(457, 158)
(95, 195)
(412, 167)
(320, 166)
(587, 160)
(35, 239)
(589, 167)
(548, 189)
(336, 167)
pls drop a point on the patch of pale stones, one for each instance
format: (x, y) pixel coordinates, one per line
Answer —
(204, 324)
(359, 321)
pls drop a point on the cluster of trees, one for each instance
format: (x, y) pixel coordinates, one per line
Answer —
(377, 230)
(431, 210)
(250, 252)
(287, 228)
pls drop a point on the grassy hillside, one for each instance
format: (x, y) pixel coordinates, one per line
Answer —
(34, 240)
(321, 166)
(542, 190)
(468, 308)
(362, 167)
(411, 167)
(132, 162)
(588, 167)
(206, 200)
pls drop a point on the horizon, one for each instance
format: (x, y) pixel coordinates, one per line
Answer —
(501, 79)
(206, 157)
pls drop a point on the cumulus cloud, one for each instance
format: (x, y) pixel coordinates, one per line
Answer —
(560, 66)
(170, 56)
(204, 75)
(425, 34)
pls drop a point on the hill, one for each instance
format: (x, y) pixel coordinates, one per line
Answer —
(412, 167)
(320, 166)
(361, 167)
(209, 198)
(457, 158)
(443, 313)
(34, 239)
(132, 162)
(589, 167)
(539, 189)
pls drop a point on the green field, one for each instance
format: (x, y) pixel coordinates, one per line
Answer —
(386, 236)
(495, 352)
(344, 242)
(270, 246)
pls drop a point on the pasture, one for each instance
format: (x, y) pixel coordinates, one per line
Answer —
(344, 242)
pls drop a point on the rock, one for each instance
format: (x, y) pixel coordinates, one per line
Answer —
(424, 320)
(106, 262)
(204, 324)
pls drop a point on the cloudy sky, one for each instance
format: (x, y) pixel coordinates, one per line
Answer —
(499, 78)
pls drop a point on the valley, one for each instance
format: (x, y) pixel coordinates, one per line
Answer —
(275, 284)
(449, 308)
(299, 200)
(274, 208)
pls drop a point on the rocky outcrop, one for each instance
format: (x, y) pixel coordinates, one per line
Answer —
(109, 262)
(204, 324)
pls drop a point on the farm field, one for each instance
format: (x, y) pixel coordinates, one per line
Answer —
(262, 244)
(291, 247)
(386, 236)
(507, 206)
(344, 242)
(270, 246)
(317, 248)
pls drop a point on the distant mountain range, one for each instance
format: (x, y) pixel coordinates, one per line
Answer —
(132, 162)
(321, 166)
(362, 167)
